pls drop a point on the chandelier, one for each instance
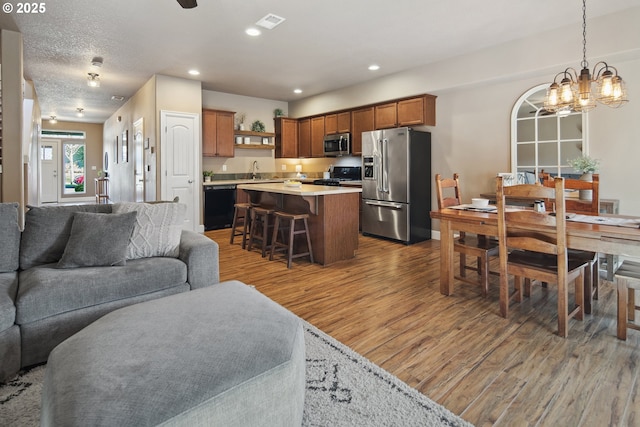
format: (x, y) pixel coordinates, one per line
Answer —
(574, 92)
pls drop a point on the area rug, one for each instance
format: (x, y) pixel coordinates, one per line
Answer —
(343, 389)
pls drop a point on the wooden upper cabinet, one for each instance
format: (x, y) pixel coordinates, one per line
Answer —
(417, 111)
(344, 122)
(317, 136)
(304, 138)
(337, 123)
(386, 115)
(217, 133)
(286, 137)
(331, 124)
(362, 120)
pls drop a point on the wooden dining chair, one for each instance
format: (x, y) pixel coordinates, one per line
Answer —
(584, 207)
(627, 280)
(580, 206)
(480, 247)
(533, 245)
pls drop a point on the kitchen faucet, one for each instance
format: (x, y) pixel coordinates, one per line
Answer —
(254, 168)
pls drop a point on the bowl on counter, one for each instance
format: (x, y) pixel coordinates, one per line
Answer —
(291, 183)
(479, 202)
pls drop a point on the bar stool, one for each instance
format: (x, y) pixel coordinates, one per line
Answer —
(241, 218)
(628, 281)
(289, 246)
(260, 227)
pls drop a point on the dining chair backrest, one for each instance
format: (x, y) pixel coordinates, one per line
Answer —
(447, 183)
(528, 229)
(587, 207)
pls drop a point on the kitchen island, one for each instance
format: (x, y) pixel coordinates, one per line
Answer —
(333, 214)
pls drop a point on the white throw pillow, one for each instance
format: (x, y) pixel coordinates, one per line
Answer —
(157, 230)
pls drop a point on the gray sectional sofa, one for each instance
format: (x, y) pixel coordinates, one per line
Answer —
(43, 302)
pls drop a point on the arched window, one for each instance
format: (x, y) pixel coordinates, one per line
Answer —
(545, 141)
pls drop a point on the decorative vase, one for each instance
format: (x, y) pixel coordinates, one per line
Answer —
(207, 179)
(241, 126)
(586, 194)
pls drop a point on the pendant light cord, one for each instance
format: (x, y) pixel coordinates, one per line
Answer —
(584, 64)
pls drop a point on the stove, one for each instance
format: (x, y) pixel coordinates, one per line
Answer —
(341, 174)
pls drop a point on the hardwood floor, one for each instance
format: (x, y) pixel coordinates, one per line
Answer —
(457, 350)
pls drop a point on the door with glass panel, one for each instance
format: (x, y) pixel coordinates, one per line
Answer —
(49, 167)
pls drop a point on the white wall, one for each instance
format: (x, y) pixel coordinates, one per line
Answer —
(254, 109)
(477, 92)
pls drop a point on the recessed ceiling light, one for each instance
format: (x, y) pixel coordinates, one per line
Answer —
(297, 91)
(253, 32)
(374, 67)
(194, 72)
(97, 61)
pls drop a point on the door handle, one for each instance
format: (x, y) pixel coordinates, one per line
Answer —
(390, 205)
(190, 181)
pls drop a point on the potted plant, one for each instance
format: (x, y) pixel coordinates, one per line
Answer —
(257, 126)
(207, 175)
(278, 112)
(586, 166)
(240, 120)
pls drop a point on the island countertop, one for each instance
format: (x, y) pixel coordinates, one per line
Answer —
(333, 214)
(303, 190)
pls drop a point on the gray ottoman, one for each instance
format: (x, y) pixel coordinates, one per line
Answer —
(225, 355)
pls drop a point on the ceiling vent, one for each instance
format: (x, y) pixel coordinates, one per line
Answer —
(270, 21)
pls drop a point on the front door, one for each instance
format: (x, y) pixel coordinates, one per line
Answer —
(49, 167)
(180, 164)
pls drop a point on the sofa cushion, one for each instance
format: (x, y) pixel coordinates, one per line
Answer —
(8, 290)
(46, 290)
(10, 232)
(98, 239)
(47, 230)
(157, 230)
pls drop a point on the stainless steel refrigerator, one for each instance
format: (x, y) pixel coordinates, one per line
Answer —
(396, 184)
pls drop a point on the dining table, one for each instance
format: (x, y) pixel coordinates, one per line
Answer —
(608, 234)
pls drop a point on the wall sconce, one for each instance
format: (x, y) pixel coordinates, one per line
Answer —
(93, 80)
(80, 112)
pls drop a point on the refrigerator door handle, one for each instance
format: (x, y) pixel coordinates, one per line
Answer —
(378, 165)
(384, 204)
(385, 171)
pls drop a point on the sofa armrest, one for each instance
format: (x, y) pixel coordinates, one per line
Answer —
(200, 253)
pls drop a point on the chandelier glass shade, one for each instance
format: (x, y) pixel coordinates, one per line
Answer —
(574, 90)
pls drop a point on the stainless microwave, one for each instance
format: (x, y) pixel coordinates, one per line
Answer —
(337, 145)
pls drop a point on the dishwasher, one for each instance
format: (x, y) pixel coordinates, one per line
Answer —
(218, 206)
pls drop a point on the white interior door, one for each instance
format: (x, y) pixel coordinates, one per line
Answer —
(49, 167)
(138, 149)
(180, 162)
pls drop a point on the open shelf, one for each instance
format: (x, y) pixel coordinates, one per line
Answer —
(256, 146)
(251, 133)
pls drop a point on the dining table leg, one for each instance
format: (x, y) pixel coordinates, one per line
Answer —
(446, 258)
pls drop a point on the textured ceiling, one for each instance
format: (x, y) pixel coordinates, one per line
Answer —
(321, 46)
